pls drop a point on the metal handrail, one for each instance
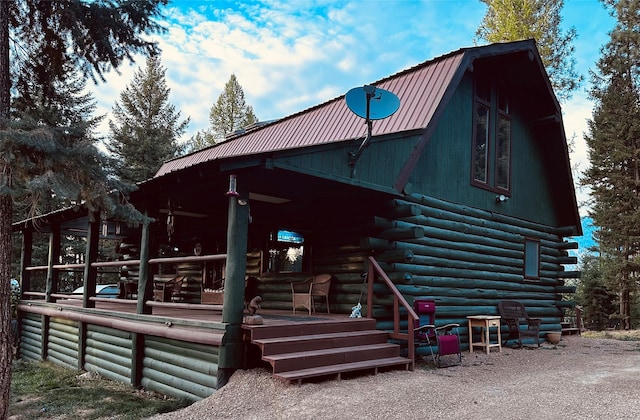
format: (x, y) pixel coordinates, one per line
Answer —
(374, 271)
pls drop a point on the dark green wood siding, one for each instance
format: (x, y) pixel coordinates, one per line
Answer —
(444, 170)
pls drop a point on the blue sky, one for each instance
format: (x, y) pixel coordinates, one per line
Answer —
(289, 55)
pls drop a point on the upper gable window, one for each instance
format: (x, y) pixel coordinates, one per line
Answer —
(491, 165)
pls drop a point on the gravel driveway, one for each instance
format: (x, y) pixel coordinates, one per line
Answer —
(579, 378)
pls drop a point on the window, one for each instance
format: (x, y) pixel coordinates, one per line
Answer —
(286, 252)
(503, 153)
(481, 144)
(531, 259)
(491, 158)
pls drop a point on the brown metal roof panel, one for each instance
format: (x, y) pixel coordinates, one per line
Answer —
(419, 89)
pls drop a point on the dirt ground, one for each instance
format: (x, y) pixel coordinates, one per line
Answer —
(581, 378)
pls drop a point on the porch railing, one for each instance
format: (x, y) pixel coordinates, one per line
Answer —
(399, 301)
(116, 264)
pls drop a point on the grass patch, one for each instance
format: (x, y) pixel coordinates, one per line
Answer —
(45, 390)
(630, 335)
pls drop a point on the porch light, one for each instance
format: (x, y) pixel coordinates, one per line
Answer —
(232, 186)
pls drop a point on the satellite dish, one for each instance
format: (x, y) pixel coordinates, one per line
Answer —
(370, 103)
(380, 103)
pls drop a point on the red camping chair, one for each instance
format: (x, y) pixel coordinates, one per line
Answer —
(445, 338)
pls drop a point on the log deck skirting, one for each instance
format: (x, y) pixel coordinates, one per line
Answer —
(466, 259)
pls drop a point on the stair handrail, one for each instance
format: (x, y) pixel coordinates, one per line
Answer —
(398, 300)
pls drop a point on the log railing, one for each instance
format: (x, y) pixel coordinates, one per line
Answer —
(116, 264)
(373, 273)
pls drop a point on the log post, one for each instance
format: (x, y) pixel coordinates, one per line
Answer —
(90, 280)
(25, 260)
(232, 352)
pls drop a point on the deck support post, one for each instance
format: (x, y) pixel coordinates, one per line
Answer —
(145, 293)
(25, 260)
(52, 284)
(90, 280)
(232, 349)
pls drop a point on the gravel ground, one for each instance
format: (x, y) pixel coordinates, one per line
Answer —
(579, 378)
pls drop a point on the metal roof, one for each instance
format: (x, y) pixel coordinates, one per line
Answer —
(419, 88)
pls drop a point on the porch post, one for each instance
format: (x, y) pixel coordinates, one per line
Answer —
(91, 256)
(25, 260)
(89, 283)
(145, 287)
(145, 293)
(54, 258)
(52, 284)
(231, 352)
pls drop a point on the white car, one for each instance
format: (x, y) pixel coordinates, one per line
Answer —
(102, 290)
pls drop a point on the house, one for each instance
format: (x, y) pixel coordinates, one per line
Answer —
(464, 195)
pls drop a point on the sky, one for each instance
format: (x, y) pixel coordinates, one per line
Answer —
(289, 55)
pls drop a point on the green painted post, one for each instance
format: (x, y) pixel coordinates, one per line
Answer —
(145, 292)
(90, 280)
(52, 283)
(145, 287)
(91, 256)
(232, 351)
(25, 260)
(54, 258)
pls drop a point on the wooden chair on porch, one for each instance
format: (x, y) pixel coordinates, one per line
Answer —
(128, 290)
(163, 291)
(303, 293)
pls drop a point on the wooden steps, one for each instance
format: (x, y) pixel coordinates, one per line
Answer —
(314, 349)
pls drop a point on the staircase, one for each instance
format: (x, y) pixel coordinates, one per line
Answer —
(321, 348)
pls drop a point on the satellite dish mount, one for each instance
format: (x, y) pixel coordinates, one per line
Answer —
(370, 103)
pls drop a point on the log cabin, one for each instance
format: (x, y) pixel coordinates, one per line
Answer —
(464, 195)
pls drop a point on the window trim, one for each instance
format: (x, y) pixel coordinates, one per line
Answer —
(496, 114)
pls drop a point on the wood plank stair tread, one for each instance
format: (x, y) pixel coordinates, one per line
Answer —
(321, 336)
(293, 375)
(260, 332)
(328, 351)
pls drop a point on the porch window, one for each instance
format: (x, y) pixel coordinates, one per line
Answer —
(286, 252)
(531, 259)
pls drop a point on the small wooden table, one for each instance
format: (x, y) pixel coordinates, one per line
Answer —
(484, 322)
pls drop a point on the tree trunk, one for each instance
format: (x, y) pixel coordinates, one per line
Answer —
(6, 211)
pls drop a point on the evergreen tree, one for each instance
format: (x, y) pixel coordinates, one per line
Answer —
(593, 294)
(515, 20)
(613, 140)
(93, 36)
(229, 114)
(147, 127)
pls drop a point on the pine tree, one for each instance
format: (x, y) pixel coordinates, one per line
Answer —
(147, 127)
(515, 20)
(613, 141)
(92, 36)
(229, 114)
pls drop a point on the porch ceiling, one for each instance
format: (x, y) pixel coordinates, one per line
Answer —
(278, 197)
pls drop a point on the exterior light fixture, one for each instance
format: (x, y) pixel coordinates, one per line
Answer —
(232, 186)
(501, 198)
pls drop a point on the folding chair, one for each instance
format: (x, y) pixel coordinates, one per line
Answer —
(445, 338)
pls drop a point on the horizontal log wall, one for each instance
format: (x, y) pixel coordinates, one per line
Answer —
(108, 352)
(62, 348)
(173, 367)
(31, 337)
(180, 369)
(467, 260)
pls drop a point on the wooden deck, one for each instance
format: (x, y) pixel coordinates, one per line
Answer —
(297, 346)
